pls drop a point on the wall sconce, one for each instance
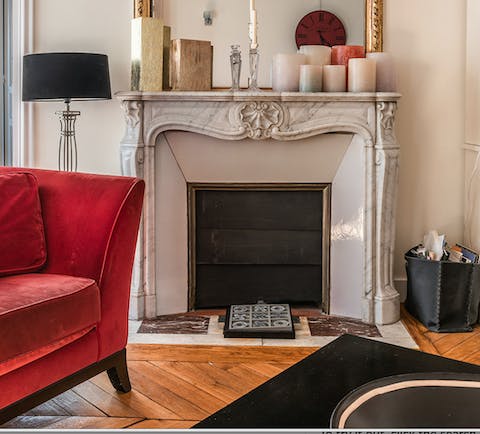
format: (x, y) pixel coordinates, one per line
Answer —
(208, 18)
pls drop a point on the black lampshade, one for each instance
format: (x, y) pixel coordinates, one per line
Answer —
(65, 76)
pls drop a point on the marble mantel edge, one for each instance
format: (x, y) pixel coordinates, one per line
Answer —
(279, 116)
(219, 95)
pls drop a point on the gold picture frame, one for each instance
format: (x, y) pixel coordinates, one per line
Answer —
(142, 8)
(373, 25)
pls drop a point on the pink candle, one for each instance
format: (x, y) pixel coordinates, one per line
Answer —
(341, 54)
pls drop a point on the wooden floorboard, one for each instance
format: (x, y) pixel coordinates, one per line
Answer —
(104, 401)
(459, 346)
(150, 386)
(163, 424)
(194, 374)
(473, 358)
(175, 386)
(70, 422)
(136, 400)
(208, 353)
(183, 389)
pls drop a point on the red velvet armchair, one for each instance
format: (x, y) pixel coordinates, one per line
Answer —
(64, 319)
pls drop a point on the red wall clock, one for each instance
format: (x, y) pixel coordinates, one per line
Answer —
(320, 28)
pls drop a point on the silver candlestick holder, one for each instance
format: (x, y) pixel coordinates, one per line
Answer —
(253, 58)
(236, 67)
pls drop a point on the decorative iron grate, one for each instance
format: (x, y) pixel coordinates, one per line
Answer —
(259, 321)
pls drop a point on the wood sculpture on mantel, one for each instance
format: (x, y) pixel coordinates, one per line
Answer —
(278, 116)
(191, 64)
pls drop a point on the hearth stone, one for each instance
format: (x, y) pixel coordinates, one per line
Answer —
(327, 325)
(176, 324)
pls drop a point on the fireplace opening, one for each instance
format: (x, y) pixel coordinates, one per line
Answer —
(251, 242)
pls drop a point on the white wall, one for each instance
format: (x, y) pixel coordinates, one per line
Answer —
(91, 26)
(472, 76)
(430, 57)
(472, 127)
(426, 37)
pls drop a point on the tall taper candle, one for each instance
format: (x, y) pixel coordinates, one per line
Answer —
(252, 33)
(253, 23)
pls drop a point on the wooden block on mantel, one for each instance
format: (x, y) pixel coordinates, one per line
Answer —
(147, 54)
(191, 65)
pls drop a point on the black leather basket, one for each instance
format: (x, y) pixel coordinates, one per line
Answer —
(444, 296)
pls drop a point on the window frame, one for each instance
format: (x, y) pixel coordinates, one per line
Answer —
(22, 34)
(5, 88)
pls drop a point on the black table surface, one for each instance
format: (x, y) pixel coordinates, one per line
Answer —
(305, 395)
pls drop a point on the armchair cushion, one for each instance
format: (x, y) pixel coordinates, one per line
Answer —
(38, 310)
(22, 238)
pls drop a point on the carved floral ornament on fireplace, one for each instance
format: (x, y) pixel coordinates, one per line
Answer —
(281, 117)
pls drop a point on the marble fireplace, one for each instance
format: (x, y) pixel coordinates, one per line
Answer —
(174, 139)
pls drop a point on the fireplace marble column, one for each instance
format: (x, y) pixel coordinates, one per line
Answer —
(272, 116)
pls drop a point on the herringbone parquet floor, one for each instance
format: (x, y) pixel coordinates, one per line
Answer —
(175, 386)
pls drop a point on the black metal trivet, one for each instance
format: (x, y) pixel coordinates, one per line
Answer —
(271, 321)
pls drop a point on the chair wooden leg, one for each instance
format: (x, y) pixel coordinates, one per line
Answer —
(118, 374)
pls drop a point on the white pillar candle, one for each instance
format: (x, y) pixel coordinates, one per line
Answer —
(317, 54)
(286, 71)
(310, 78)
(386, 75)
(361, 75)
(334, 78)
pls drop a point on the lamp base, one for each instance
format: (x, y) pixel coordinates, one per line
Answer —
(67, 146)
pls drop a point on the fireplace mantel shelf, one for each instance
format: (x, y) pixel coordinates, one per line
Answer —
(279, 116)
(258, 115)
(244, 95)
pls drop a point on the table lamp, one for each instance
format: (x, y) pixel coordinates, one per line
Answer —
(67, 77)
